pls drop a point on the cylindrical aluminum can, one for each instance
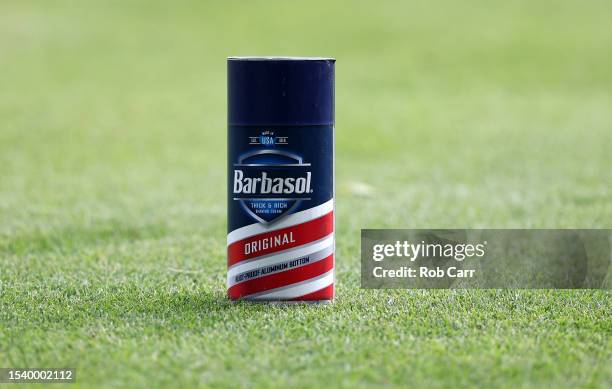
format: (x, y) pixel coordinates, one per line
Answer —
(280, 164)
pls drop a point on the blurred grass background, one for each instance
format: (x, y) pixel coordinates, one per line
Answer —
(449, 114)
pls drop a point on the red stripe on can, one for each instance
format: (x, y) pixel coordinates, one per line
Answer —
(284, 278)
(279, 240)
(326, 293)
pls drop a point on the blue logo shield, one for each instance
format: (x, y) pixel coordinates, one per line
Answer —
(273, 181)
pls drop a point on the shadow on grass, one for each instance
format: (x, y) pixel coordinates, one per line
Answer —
(133, 306)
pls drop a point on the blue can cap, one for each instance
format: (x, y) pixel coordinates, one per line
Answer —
(283, 91)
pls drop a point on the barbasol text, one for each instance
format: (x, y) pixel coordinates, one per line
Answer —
(265, 184)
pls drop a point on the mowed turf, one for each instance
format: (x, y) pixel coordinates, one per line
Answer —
(455, 114)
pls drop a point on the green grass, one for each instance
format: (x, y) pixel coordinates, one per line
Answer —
(455, 114)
